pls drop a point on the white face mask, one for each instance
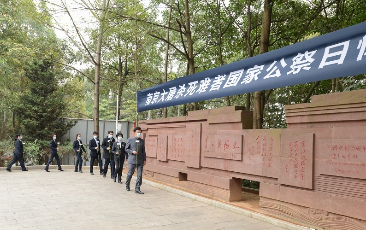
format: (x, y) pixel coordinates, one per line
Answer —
(95, 137)
(54, 138)
(138, 135)
(110, 136)
(120, 138)
(79, 138)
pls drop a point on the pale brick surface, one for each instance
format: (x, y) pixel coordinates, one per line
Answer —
(69, 200)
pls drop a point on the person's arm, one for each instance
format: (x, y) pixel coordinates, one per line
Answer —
(128, 147)
(91, 147)
(143, 151)
(53, 146)
(74, 146)
(114, 148)
(17, 145)
(82, 146)
(105, 144)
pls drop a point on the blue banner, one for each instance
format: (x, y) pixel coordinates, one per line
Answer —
(337, 54)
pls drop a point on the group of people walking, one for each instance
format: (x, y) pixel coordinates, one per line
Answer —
(115, 153)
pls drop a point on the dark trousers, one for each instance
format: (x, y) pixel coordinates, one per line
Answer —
(131, 171)
(108, 161)
(79, 161)
(119, 166)
(99, 159)
(17, 157)
(53, 155)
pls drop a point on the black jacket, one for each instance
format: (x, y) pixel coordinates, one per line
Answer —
(105, 144)
(121, 149)
(92, 144)
(77, 147)
(18, 147)
(53, 146)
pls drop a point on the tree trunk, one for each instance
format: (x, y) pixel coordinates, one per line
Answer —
(264, 44)
(190, 44)
(247, 101)
(135, 63)
(165, 110)
(3, 127)
(97, 68)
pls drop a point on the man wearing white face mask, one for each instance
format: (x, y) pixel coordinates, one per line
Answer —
(118, 149)
(107, 154)
(94, 147)
(53, 146)
(18, 153)
(135, 147)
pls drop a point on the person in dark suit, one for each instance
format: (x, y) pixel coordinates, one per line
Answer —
(94, 146)
(135, 147)
(107, 154)
(119, 152)
(78, 148)
(53, 146)
(18, 153)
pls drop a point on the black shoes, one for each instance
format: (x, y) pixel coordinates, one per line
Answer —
(46, 170)
(60, 170)
(127, 188)
(81, 171)
(138, 192)
(24, 169)
(114, 179)
(120, 182)
(76, 171)
(91, 173)
(9, 170)
(103, 175)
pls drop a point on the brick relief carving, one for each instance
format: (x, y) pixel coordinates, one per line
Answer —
(162, 147)
(297, 151)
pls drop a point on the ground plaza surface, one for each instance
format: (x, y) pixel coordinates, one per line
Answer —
(69, 200)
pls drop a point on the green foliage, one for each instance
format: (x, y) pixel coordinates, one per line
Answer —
(6, 151)
(251, 184)
(36, 151)
(42, 106)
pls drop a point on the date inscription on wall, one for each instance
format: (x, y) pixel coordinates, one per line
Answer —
(297, 153)
(346, 158)
(151, 145)
(224, 146)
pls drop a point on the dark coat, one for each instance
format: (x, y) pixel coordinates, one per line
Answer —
(92, 144)
(105, 144)
(122, 151)
(131, 146)
(18, 147)
(53, 146)
(77, 147)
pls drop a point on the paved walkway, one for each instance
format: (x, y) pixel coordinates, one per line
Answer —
(68, 200)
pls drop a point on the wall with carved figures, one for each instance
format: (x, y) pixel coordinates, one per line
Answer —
(312, 173)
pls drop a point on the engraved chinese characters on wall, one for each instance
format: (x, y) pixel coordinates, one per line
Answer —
(342, 157)
(176, 147)
(261, 153)
(162, 147)
(193, 137)
(224, 146)
(151, 145)
(297, 151)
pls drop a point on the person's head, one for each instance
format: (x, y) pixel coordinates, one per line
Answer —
(137, 131)
(78, 136)
(54, 136)
(119, 136)
(18, 136)
(95, 135)
(110, 134)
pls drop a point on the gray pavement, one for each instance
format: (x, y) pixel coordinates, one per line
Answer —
(68, 200)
